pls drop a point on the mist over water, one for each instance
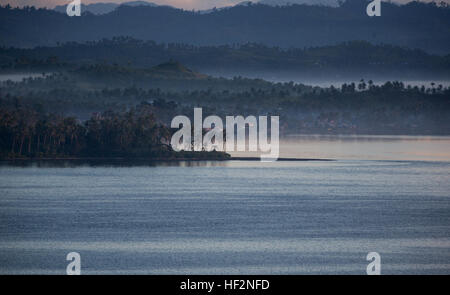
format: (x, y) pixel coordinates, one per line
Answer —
(18, 77)
(319, 82)
(327, 80)
(127, 206)
(363, 147)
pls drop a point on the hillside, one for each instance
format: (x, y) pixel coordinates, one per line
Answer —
(103, 8)
(415, 25)
(353, 108)
(174, 69)
(349, 60)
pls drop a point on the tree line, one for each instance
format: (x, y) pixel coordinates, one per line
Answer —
(353, 56)
(131, 134)
(416, 24)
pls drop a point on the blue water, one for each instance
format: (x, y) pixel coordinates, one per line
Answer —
(227, 218)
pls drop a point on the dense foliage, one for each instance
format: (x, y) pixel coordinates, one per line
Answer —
(414, 25)
(356, 108)
(345, 60)
(131, 134)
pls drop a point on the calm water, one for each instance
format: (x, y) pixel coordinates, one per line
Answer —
(232, 217)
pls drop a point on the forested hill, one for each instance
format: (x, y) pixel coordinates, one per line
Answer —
(350, 59)
(415, 25)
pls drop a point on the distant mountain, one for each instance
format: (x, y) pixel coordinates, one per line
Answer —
(95, 8)
(139, 3)
(333, 3)
(171, 70)
(349, 60)
(244, 3)
(414, 25)
(215, 9)
(104, 8)
(175, 69)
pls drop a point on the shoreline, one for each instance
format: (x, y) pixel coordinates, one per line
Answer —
(279, 159)
(160, 159)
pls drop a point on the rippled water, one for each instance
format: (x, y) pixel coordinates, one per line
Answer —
(227, 217)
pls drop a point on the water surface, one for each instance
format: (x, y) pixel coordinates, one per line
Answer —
(231, 217)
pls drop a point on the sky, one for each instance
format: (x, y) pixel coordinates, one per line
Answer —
(185, 4)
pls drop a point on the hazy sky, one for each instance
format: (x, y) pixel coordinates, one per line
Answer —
(186, 4)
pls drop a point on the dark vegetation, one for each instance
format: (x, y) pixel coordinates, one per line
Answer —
(353, 59)
(106, 98)
(414, 25)
(132, 134)
(361, 108)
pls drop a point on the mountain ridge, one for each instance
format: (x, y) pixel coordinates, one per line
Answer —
(414, 25)
(104, 7)
(350, 59)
